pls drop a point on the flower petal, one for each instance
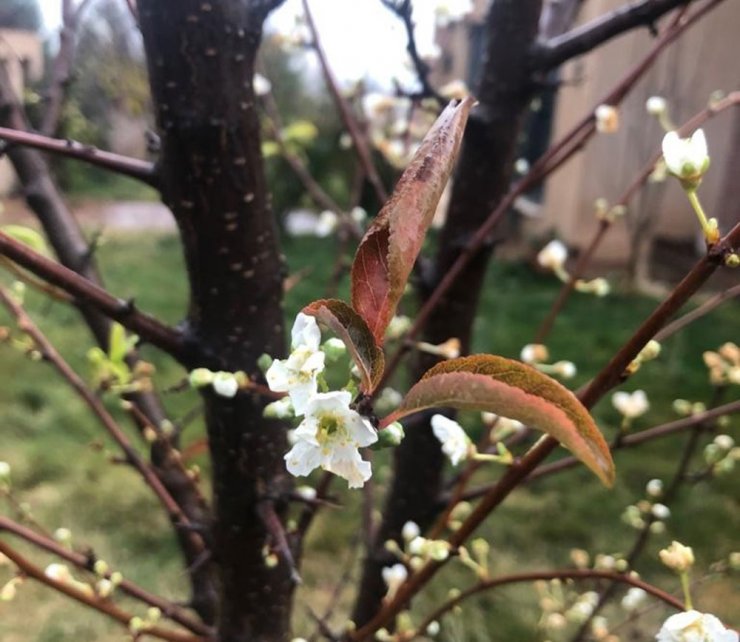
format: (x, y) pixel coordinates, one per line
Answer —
(302, 458)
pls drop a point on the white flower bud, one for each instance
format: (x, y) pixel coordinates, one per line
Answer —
(534, 353)
(677, 557)
(607, 119)
(410, 531)
(306, 492)
(631, 405)
(261, 85)
(660, 511)
(63, 535)
(566, 369)
(432, 628)
(280, 409)
(200, 377)
(358, 215)
(553, 255)
(654, 488)
(394, 576)
(225, 384)
(634, 599)
(4, 471)
(397, 327)
(656, 105)
(724, 442)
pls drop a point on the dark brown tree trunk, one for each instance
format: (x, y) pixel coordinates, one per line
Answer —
(482, 178)
(201, 60)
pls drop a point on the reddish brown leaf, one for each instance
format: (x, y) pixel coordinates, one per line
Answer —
(351, 328)
(515, 390)
(386, 255)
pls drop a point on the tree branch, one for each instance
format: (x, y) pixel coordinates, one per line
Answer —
(359, 140)
(99, 604)
(146, 326)
(404, 9)
(556, 51)
(132, 167)
(86, 561)
(50, 354)
(566, 574)
(607, 378)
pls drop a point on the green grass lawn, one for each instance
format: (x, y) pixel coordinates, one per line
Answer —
(62, 471)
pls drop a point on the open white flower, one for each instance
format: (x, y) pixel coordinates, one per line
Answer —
(677, 557)
(553, 255)
(686, 158)
(631, 405)
(297, 375)
(692, 626)
(455, 442)
(330, 437)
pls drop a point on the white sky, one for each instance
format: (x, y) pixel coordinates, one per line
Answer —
(361, 37)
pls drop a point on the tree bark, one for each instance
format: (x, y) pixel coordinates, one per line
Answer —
(201, 59)
(482, 178)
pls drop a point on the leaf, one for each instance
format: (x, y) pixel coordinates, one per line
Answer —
(515, 390)
(386, 254)
(27, 236)
(117, 347)
(350, 327)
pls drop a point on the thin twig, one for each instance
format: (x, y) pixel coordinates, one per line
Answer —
(50, 354)
(102, 605)
(359, 140)
(704, 309)
(132, 167)
(558, 153)
(566, 574)
(404, 10)
(146, 326)
(606, 379)
(168, 609)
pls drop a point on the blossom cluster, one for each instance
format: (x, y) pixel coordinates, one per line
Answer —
(330, 433)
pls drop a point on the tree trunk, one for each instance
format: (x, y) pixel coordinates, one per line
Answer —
(201, 60)
(482, 178)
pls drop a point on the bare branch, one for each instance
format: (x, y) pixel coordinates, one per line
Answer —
(50, 354)
(168, 609)
(566, 574)
(125, 312)
(704, 309)
(404, 9)
(132, 167)
(583, 39)
(100, 604)
(359, 140)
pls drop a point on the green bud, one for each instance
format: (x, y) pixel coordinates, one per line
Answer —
(200, 378)
(334, 349)
(264, 362)
(280, 409)
(389, 437)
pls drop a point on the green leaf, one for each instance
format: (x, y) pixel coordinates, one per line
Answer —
(27, 236)
(301, 132)
(515, 390)
(352, 329)
(386, 255)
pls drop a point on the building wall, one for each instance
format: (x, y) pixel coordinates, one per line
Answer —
(687, 72)
(21, 52)
(699, 63)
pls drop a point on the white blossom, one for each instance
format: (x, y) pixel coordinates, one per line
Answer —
(631, 405)
(59, 573)
(686, 158)
(553, 255)
(455, 442)
(534, 353)
(633, 599)
(394, 576)
(298, 374)
(660, 511)
(692, 626)
(329, 437)
(566, 369)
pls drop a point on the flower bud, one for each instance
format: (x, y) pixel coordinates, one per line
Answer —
(334, 349)
(410, 531)
(654, 488)
(225, 384)
(656, 105)
(534, 353)
(607, 119)
(200, 377)
(280, 409)
(677, 557)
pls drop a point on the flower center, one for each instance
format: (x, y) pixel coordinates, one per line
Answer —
(330, 429)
